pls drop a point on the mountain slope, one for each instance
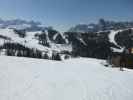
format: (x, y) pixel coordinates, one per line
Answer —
(44, 40)
(92, 44)
(75, 79)
(80, 44)
(109, 36)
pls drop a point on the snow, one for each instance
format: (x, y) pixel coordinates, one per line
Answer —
(55, 36)
(112, 40)
(74, 79)
(117, 50)
(82, 41)
(90, 27)
(19, 27)
(1, 41)
(30, 41)
(112, 36)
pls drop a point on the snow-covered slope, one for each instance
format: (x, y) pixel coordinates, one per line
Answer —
(50, 41)
(76, 79)
(112, 36)
(31, 41)
(112, 40)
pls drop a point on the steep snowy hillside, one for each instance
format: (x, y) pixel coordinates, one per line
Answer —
(46, 41)
(75, 79)
(30, 39)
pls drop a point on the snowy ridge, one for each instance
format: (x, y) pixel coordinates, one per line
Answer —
(75, 79)
(21, 24)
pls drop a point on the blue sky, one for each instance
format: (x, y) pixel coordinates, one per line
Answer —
(62, 14)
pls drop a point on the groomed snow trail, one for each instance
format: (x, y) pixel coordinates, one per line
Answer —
(112, 40)
(75, 79)
(112, 36)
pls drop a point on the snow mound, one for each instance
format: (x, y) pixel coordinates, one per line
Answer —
(76, 79)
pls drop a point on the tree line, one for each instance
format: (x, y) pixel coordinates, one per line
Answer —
(16, 49)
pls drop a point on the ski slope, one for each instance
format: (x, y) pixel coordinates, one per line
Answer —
(31, 41)
(112, 36)
(112, 40)
(76, 79)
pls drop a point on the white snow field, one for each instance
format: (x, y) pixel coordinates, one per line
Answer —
(74, 79)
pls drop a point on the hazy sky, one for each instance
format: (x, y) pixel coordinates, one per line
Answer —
(63, 14)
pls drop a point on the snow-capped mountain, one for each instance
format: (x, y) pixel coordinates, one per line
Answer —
(46, 42)
(102, 25)
(20, 24)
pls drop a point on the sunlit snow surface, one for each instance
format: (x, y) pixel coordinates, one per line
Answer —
(30, 41)
(74, 79)
(112, 40)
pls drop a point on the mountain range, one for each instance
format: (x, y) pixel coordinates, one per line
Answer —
(102, 25)
(31, 39)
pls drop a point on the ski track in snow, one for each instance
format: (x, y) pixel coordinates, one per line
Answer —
(75, 79)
